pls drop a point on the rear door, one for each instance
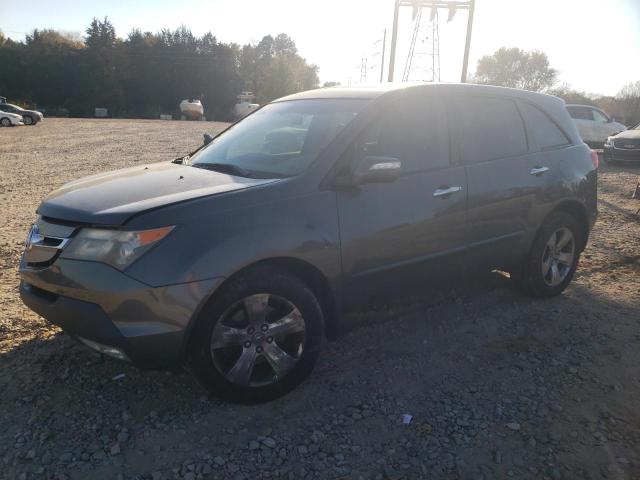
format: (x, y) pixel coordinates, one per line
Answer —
(395, 234)
(504, 177)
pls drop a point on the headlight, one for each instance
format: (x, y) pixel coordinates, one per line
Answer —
(118, 248)
(609, 142)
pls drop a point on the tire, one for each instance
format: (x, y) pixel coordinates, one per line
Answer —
(28, 120)
(538, 278)
(5, 122)
(227, 337)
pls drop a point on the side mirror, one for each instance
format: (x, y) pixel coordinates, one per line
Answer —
(375, 169)
(612, 119)
(207, 139)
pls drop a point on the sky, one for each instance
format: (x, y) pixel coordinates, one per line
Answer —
(594, 44)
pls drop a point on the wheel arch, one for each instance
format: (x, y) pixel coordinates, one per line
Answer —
(301, 269)
(579, 212)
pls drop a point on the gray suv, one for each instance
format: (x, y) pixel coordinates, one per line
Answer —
(239, 259)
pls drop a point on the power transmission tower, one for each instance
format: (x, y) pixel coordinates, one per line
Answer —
(428, 70)
(452, 6)
(363, 70)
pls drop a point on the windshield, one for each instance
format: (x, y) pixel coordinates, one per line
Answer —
(280, 140)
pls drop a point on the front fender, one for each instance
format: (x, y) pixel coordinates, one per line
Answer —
(219, 243)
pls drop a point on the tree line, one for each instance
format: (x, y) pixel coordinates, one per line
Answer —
(531, 70)
(146, 74)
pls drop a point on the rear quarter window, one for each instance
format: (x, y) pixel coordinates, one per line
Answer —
(544, 131)
(490, 128)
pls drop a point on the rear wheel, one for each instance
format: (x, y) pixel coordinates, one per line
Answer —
(553, 258)
(258, 338)
(5, 122)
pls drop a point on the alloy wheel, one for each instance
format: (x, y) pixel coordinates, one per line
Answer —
(558, 256)
(258, 340)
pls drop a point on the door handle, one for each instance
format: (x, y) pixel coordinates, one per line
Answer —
(538, 170)
(443, 192)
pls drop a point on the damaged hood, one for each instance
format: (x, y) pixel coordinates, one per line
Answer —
(112, 198)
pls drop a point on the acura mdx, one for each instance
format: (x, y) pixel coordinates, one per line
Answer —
(239, 259)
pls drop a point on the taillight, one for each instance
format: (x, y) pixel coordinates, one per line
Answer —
(595, 159)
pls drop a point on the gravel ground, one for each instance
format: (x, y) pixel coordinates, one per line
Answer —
(498, 385)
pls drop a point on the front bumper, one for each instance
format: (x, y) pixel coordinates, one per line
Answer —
(96, 302)
(612, 154)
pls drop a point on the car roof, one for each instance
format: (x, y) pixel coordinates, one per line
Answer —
(581, 105)
(375, 91)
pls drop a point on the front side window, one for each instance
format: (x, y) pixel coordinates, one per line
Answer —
(280, 140)
(580, 113)
(413, 130)
(543, 130)
(489, 128)
(599, 117)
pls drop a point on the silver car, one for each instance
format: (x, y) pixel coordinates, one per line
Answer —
(10, 119)
(594, 125)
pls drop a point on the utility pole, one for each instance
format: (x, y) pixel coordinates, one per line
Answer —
(394, 39)
(451, 5)
(467, 43)
(384, 45)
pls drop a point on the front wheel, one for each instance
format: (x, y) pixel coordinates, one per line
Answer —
(258, 338)
(553, 258)
(28, 120)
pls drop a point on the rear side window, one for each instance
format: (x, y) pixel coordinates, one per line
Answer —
(490, 128)
(544, 131)
(413, 130)
(580, 113)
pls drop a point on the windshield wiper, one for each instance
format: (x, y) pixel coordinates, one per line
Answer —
(181, 160)
(227, 168)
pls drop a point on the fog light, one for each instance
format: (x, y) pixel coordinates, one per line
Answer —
(105, 349)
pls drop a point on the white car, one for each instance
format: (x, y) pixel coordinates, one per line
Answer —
(593, 124)
(8, 119)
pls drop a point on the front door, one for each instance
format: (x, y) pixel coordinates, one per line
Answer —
(395, 234)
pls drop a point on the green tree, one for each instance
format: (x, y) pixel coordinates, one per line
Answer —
(572, 96)
(629, 99)
(512, 67)
(147, 73)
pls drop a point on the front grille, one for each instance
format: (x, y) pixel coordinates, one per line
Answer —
(45, 241)
(627, 143)
(54, 228)
(625, 155)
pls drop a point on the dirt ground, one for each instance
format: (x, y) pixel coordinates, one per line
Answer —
(498, 385)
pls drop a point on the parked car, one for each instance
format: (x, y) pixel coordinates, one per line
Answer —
(10, 119)
(239, 259)
(623, 147)
(29, 117)
(594, 125)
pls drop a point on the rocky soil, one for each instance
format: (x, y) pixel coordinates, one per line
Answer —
(497, 385)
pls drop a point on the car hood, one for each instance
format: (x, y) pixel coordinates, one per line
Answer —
(628, 134)
(112, 198)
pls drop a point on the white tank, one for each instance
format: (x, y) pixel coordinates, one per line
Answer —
(192, 109)
(244, 106)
